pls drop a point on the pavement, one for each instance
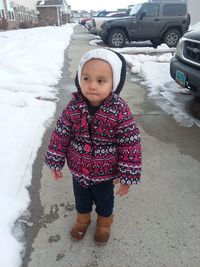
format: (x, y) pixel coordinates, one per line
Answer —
(156, 225)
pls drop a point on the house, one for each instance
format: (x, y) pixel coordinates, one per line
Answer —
(85, 14)
(16, 14)
(53, 12)
(3, 10)
(75, 15)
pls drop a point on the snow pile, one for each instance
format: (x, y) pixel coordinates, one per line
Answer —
(155, 71)
(195, 26)
(30, 64)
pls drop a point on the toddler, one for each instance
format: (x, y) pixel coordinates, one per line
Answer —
(98, 137)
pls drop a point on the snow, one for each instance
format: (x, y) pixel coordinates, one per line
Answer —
(30, 66)
(195, 26)
(155, 72)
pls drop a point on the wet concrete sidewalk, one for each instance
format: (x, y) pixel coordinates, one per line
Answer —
(155, 225)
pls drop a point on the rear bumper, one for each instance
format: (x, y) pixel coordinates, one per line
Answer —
(192, 74)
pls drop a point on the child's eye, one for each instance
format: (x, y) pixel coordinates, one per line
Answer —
(85, 78)
(100, 81)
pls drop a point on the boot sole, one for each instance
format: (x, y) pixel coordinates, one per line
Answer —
(100, 243)
(78, 240)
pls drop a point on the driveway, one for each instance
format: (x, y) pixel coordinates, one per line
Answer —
(155, 225)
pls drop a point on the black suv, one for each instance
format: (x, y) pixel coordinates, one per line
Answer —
(185, 65)
(157, 21)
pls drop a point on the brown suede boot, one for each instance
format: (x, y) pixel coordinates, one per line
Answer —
(79, 229)
(102, 233)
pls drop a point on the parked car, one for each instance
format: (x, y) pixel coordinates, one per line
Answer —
(157, 21)
(82, 21)
(88, 24)
(102, 13)
(117, 14)
(185, 65)
(96, 22)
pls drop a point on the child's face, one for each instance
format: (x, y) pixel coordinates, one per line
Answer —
(96, 81)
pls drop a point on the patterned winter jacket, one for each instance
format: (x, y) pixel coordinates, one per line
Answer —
(106, 148)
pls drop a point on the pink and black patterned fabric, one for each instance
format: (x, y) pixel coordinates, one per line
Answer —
(110, 148)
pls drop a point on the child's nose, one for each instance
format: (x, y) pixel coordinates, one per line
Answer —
(93, 85)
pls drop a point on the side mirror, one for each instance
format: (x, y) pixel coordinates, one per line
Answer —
(142, 15)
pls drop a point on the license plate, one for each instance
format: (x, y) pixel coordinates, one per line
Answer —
(180, 78)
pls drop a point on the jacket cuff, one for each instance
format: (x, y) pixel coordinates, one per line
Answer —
(54, 162)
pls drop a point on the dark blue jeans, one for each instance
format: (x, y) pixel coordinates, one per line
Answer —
(102, 195)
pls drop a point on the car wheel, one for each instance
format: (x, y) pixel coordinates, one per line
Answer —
(117, 38)
(171, 38)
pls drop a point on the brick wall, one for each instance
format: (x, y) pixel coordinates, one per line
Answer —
(65, 18)
(47, 16)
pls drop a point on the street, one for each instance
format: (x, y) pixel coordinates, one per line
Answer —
(155, 225)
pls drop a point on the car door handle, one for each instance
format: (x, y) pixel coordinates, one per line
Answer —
(156, 19)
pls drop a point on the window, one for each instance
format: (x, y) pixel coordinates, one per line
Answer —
(11, 15)
(21, 13)
(17, 8)
(135, 9)
(151, 10)
(174, 10)
(20, 16)
(2, 14)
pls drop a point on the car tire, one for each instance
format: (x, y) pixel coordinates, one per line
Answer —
(171, 38)
(117, 38)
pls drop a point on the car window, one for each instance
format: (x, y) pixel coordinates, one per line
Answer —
(174, 10)
(151, 10)
(135, 9)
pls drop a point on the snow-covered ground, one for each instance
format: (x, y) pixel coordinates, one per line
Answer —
(30, 66)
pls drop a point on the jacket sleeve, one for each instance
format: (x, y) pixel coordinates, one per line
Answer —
(129, 149)
(59, 142)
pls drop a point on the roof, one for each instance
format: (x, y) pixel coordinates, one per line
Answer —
(50, 3)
